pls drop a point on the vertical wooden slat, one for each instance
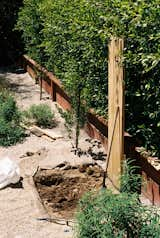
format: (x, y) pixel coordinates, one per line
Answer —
(53, 91)
(115, 108)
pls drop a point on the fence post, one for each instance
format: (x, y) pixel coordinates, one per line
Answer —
(53, 91)
(115, 110)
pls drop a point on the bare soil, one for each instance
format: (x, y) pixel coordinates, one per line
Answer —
(61, 188)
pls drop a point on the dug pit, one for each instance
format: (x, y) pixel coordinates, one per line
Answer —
(61, 188)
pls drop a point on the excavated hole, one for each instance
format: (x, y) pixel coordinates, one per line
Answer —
(61, 188)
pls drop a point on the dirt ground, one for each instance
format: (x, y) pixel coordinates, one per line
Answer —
(61, 188)
(21, 212)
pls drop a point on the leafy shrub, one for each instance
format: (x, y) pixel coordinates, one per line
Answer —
(10, 133)
(9, 110)
(10, 130)
(105, 215)
(29, 25)
(41, 114)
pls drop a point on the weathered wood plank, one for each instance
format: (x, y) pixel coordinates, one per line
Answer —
(115, 110)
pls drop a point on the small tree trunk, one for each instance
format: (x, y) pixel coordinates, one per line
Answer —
(78, 117)
(40, 88)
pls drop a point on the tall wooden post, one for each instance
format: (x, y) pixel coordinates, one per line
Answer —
(115, 110)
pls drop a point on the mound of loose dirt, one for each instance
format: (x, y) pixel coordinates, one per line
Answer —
(61, 188)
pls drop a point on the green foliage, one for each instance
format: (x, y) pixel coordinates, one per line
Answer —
(70, 38)
(8, 109)
(67, 34)
(30, 26)
(10, 130)
(69, 120)
(105, 215)
(131, 178)
(41, 114)
(10, 133)
(137, 21)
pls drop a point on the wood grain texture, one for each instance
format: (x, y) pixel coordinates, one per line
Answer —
(115, 110)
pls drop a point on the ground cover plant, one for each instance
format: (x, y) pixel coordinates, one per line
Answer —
(10, 130)
(131, 178)
(41, 115)
(106, 215)
(71, 40)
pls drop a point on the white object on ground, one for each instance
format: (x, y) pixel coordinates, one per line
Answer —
(9, 172)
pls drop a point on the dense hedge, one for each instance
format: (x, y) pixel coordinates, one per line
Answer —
(70, 38)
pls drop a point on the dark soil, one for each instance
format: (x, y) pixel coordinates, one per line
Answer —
(61, 188)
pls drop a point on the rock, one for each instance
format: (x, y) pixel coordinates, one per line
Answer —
(82, 168)
(67, 167)
(27, 133)
(40, 151)
(96, 174)
(87, 167)
(61, 165)
(90, 170)
(36, 131)
(88, 139)
(29, 153)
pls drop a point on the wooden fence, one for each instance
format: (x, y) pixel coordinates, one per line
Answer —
(97, 127)
(115, 110)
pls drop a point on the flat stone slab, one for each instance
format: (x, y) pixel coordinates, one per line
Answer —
(45, 132)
